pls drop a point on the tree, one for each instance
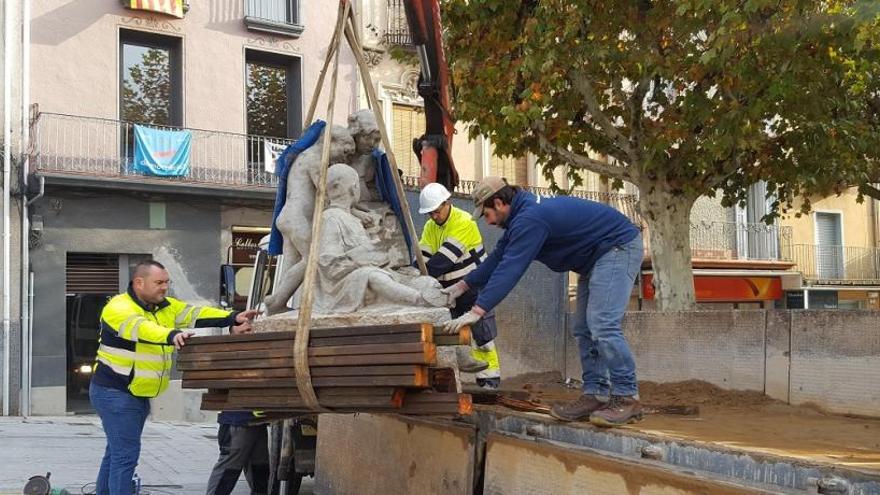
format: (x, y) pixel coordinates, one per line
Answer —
(686, 98)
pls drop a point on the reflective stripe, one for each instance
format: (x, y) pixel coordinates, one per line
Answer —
(449, 254)
(181, 317)
(121, 330)
(461, 272)
(122, 370)
(131, 356)
(137, 326)
(195, 316)
(457, 244)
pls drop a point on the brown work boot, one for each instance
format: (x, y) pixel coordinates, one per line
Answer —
(581, 408)
(618, 411)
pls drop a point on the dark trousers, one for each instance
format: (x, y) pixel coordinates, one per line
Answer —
(242, 448)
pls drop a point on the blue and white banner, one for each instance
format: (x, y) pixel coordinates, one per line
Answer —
(161, 152)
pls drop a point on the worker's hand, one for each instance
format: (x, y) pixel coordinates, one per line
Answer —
(180, 339)
(455, 291)
(469, 318)
(244, 321)
(248, 315)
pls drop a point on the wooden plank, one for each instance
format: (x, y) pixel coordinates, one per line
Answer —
(422, 358)
(428, 357)
(313, 333)
(235, 364)
(244, 354)
(428, 403)
(394, 369)
(278, 346)
(463, 337)
(322, 392)
(289, 382)
(393, 401)
(346, 350)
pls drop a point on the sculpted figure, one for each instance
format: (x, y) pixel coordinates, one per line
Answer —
(353, 269)
(295, 219)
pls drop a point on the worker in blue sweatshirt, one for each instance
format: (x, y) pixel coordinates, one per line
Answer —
(567, 234)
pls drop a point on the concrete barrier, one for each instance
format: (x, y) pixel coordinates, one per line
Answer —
(827, 358)
(835, 361)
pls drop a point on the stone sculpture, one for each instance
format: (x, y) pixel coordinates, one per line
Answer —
(355, 270)
(295, 220)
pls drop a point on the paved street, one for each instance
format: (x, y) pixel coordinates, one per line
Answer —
(176, 457)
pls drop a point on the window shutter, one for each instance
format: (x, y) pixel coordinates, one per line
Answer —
(92, 273)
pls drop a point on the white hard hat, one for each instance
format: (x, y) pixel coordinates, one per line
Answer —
(432, 196)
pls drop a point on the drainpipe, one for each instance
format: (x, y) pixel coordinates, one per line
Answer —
(7, 166)
(26, 340)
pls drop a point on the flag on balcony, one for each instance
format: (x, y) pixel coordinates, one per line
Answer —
(170, 7)
(161, 152)
(271, 152)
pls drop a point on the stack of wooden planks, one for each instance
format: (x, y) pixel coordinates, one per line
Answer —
(353, 369)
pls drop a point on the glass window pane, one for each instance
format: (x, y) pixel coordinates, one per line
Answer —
(274, 10)
(146, 84)
(266, 100)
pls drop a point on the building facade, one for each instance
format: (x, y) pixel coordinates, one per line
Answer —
(230, 79)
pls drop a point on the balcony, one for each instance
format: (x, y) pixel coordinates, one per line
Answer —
(838, 265)
(397, 28)
(96, 152)
(624, 203)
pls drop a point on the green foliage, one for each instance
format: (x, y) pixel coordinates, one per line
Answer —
(695, 96)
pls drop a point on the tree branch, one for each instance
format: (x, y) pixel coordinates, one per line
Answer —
(580, 161)
(870, 190)
(612, 133)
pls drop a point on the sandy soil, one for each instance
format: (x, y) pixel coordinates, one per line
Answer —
(740, 420)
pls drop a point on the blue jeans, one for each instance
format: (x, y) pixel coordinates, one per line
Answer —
(122, 417)
(602, 297)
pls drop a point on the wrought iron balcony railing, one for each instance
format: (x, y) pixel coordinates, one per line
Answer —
(104, 149)
(838, 264)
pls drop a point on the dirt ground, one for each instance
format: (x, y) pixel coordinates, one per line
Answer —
(739, 420)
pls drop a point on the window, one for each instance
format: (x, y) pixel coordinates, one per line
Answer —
(408, 123)
(274, 110)
(150, 79)
(829, 238)
(150, 85)
(274, 16)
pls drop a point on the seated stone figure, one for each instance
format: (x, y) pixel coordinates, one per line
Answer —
(353, 269)
(295, 219)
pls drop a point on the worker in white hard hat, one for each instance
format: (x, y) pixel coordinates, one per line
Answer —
(453, 247)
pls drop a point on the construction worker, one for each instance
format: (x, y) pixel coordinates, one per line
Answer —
(567, 234)
(139, 332)
(243, 447)
(453, 247)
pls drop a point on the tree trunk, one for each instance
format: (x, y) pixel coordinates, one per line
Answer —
(668, 218)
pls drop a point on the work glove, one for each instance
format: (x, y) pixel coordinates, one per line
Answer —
(469, 318)
(455, 291)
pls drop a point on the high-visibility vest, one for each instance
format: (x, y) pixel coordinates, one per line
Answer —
(136, 340)
(454, 249)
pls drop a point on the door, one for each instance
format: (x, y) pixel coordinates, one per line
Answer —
(829, 249)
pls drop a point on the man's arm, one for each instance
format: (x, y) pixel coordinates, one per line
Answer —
(190, 316)
(524, 243)
(479, 277)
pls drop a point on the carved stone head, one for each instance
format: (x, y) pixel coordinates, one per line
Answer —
(342, 145)
(365, 131)
(343, 185)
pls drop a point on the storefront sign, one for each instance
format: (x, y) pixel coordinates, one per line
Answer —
(727, 289)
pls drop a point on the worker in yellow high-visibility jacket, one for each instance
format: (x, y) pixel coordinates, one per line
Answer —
(453, 247)
(139, 331)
